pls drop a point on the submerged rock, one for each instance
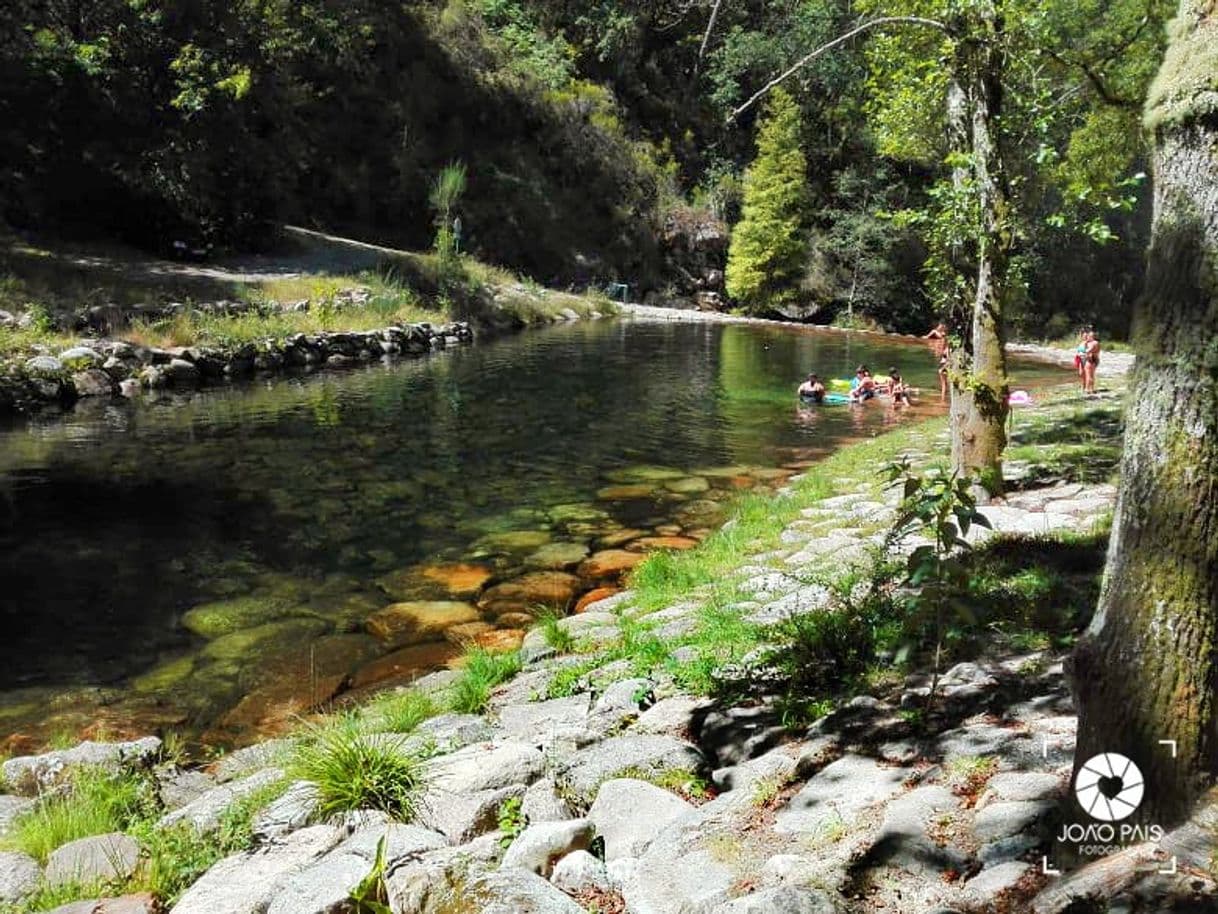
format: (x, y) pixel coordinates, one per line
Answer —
(537, 588)
(454, 581)
(419, 620)
(611, 564)
(406, 663)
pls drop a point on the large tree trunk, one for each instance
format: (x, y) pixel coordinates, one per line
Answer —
(979, 376)
(1145, 672)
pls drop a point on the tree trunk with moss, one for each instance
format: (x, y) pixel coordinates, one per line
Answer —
(979, 372)
(1146, 671)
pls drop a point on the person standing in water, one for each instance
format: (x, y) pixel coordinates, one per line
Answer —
(940, 346)
(812, 389)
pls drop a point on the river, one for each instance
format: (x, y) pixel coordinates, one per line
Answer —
(216, 563)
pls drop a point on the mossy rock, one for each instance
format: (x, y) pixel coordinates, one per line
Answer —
(644, 473)
(164, 677)
(223, 617)
(247, 644)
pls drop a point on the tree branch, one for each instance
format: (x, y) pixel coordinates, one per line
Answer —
(706, 36)
(840, 39)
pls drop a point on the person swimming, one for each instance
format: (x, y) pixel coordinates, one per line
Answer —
(862, 385)
(812, 389)
(898, 388)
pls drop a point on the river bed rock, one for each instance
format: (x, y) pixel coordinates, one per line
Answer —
(419, 620)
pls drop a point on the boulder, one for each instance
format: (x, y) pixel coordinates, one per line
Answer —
(44, 366)
(246, 883)
(578, 872)
(100, 858)
(630, 814)
(581, 775)
(11, 808)
(29, 774)
(505, 891)
(838, 795)
(538, 721)
(540, 846)
(783, 900)
(609, 564)
(18, 876)
(325, 886)
(205, 813)
(79, 358)
(594, 596)
(555, 589)
(464, 816)
(485, 766)
(419, 621)
(557, 556)
(449, 580)
(93, 383)
(406, 663)
(543, 804)
(290, 812)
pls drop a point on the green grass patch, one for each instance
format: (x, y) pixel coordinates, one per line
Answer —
(554, 634)
(483, 671)
(96, 802)
(175, 857)
(398, 712)
(355, 770)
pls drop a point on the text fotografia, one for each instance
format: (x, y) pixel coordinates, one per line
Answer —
(1099, 839)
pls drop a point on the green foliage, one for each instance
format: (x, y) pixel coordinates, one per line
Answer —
(483, 670)
(555, 635)
(354, 770)
(97, 802)
(767, 250)
(371, 896)
(1186, 86)
(446, 192)
(941, 507)
(175, 857)
(512, 820)
(398, 712)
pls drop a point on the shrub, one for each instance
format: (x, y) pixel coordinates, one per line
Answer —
(353, 770)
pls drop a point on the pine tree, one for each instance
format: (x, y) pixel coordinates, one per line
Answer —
(767, 253)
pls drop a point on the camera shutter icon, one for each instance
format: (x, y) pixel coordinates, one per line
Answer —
(1109, 787)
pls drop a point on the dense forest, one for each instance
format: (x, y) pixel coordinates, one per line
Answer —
(605, 141)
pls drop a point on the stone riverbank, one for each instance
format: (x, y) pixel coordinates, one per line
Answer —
(626, 794)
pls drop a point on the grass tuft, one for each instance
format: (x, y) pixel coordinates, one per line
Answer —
(483, 671)
(398, 712)
(354, 770)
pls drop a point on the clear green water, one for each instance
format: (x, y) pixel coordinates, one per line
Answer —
(117, 518)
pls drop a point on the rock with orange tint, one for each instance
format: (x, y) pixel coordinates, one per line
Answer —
(619, 538)
(668, 530)
(625, 492)
(545, 588)
(455, 580)
(652, 543)
(771, 474)
(467, 632)
(742, 482)
(592, 596)
(407, 663)
(611, 563)
(501, 640)
(515, 620)
(419, 620)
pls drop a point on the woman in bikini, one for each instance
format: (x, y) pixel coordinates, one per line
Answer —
(1091, 361)
(939, 346)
